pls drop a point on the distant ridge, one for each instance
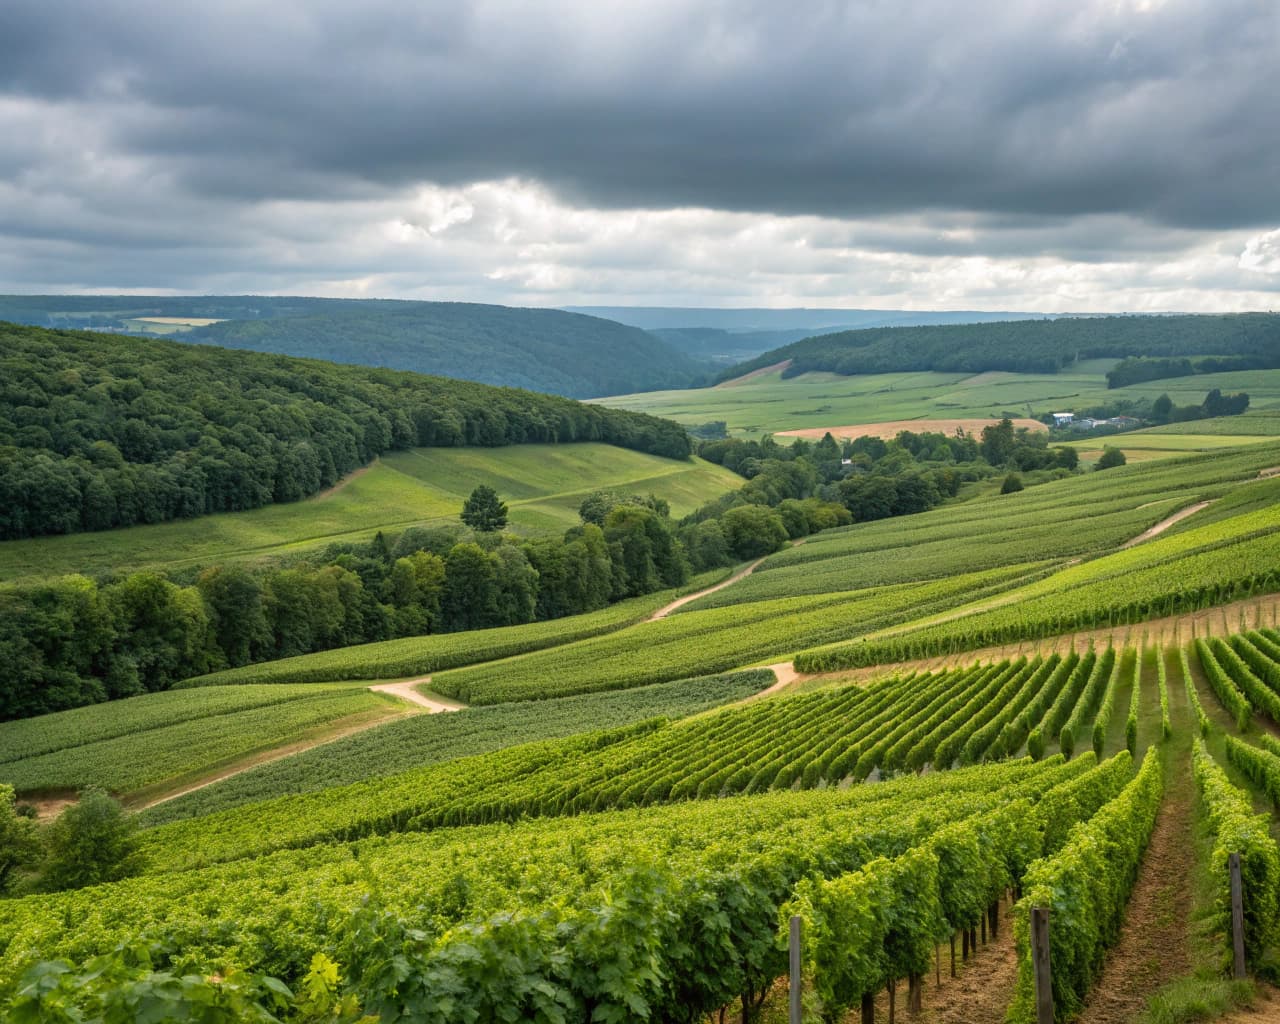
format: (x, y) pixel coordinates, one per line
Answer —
(1242, 340)
(547, 350)
(760, 319)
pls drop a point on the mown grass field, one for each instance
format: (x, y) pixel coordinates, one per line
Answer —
(768, 403)
(542, 485)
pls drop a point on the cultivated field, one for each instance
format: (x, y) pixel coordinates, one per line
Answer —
(889, 430)
(624, 819)
(768, 403)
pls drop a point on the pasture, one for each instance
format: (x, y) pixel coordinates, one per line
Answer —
(542, 485)
(769, 404)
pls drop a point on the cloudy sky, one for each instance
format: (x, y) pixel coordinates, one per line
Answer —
(926, 154)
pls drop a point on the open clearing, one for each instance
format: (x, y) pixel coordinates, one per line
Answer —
(888, 431)
(543, 485)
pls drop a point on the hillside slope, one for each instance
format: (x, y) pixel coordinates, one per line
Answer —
(1028, 346)
(547, 350)
(102, 430)
(540, 349)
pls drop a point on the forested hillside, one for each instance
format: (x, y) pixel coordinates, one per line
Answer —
(99, 430)
(1032, 346)
(540, 349)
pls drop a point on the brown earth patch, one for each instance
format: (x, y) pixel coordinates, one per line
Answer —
(1164, 524)
(48, 807)
(981, 993)
(891, 428)
(1153, 949)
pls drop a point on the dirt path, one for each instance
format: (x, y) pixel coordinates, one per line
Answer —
(266, 757)
(407, 690)
(1154, 941)
(981, 994)
(666, 610)
(1164, 524)
(776, 367)
(741, 574)
(355, 474)
(404, 690)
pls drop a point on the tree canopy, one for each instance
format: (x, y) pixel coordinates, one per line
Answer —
(1251, 340)
(551, 350)
(100, 431)
(484, 511)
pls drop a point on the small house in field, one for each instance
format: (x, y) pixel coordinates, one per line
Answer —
(1063, 419)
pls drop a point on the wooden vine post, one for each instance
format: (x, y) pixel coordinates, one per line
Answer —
(1040, 962)
(1237, 917)
(795, 971)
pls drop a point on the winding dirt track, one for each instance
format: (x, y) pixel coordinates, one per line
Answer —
(407, 690)
(666, 610)
(403, 690)
(1164, 524)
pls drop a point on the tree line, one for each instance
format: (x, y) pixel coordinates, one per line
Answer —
(1032, 346)
(100, 431)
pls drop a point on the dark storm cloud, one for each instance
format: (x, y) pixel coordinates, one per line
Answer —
(1162, 112)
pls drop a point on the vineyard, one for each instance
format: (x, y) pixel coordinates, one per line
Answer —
(623, 825)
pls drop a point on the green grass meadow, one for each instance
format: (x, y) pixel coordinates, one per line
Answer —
(543, 486)
(768, 404)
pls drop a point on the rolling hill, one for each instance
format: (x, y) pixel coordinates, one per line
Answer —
(540, 349)
(103, 430)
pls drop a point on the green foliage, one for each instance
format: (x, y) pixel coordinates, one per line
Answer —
(752, 531)
(89, 843)
(141, 756)
(1135, 705)
(63, 730)
(1197, 568)
(1236, 829)
(1162, 683)
(214, 430)
(1110, 459)
(421, 740)
(1012, 484)
(19, 841)
(420, 655)
(1086, 886)
(484, 511)
(701, 642)
(804, 741)
(1032, 346)
(1193, 695)
(539, 349)
(1240, 693)
(669, 911)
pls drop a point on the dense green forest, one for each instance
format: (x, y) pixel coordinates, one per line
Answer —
(1029, 346)
(100, 430)
(540, 349)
